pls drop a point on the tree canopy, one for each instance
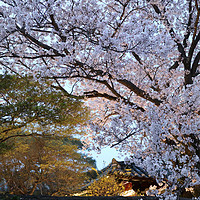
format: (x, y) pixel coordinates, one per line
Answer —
(43, 166)
(25, 101)
(40, 151)
(105, 186)
(138, 60)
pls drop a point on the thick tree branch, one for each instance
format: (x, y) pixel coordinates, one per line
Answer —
(59, 87)
(138, 91)
(137, 57)
(126, 83)
(157, 10)
(174, 66)
(193, 46)
(89, 94)
(37, 42)
(32, 57)
(185, 60)
(195, 64)
(63, 38)
(95, 94)
(191, 71)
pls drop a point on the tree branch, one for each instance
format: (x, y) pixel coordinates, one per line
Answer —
(40, 44)
(14, 136)
(137, 57)
(63, 38)
(195, 64)
(188, 25)
(197, 19)
(121, 140)
(33, 57)
(138, 91)
(193, 46)
(172, 33)
(174, 66)
(94, 94)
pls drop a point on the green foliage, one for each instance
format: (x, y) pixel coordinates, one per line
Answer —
(49, 165)
(4, 147)
(105, 186)
(29, 100)
(38, 151)
(25, 102)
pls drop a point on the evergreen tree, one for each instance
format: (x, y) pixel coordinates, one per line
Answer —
(39, 153)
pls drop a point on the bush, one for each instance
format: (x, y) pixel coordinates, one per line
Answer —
(105, 186)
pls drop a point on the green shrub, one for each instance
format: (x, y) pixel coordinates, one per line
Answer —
(105, 186)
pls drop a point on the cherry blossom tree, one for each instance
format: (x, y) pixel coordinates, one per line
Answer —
(135, 61)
